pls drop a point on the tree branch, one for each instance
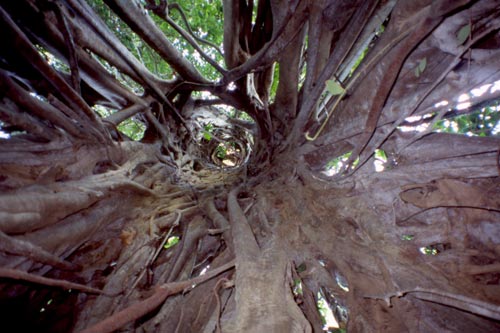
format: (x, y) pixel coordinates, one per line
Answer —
(343, 47)
(149, 32)
(190, 37)
(137, 310)
(43, 110)
(201, 40)
(23, 44)
(220, 222)
(129, 16)
(371, 121)
(70, 44)
(274, 48)
(451, 299)
(245, 245)
(17, 274)
(27, 249)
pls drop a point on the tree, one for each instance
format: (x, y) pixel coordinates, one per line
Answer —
(227, 167)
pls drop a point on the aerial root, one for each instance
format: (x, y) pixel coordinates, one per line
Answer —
(215, 232)
(133, 186)
(36, 253)
(196, 229)
(154, 255)
(482, 269)
(450, 299)
(226, 284)
(219, 221)
(17, 274)
(139, 309)
(33, 210)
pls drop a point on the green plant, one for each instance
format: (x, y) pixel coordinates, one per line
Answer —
(171, 241)
(221, 151)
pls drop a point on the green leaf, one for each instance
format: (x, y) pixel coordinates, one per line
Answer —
(463, 34)
(421, 67)
(302, 267)
(422, 64)
(207, 136)
(221, 152)
(208, 127)
(171, 241)
(380, 155)
(334, 87)
(297, 287)
(133, 128)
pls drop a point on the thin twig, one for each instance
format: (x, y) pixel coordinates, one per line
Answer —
(194, 44)
(201, 40)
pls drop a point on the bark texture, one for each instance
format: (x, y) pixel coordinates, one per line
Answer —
(265, 229)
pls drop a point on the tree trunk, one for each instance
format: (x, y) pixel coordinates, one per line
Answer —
(216, 223)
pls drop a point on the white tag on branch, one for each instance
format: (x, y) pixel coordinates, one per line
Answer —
(334, 87)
